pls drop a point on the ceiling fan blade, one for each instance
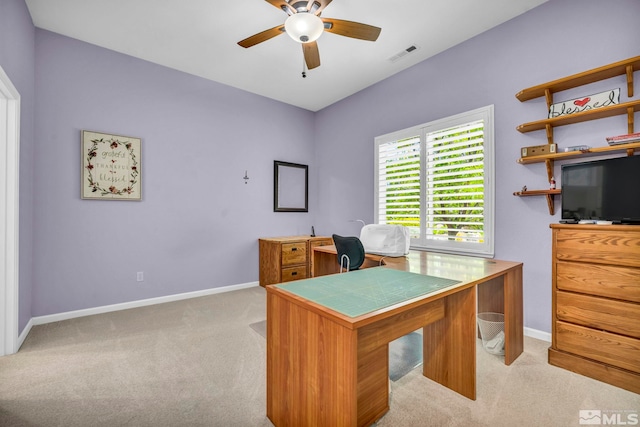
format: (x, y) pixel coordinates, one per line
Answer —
(310, 4)
(282, 5)
(263, 36)
(323, 4)
(351, 29)
(311, 54)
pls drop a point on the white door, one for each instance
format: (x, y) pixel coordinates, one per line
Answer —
(9, 172)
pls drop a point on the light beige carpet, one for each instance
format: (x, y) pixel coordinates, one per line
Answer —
(197, 363)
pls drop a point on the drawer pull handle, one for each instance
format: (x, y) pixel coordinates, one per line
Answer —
(294, 273)
(294, 249)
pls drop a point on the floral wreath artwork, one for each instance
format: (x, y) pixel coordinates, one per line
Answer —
(111, 167)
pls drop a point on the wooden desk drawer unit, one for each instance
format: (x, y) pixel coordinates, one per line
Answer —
(596, 302)
(283, 259)
(294, 253)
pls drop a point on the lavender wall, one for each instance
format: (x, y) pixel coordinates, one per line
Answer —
(557, 39)
(17, 59)
(198, 223)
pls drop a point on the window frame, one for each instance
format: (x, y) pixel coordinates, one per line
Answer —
(486, 114)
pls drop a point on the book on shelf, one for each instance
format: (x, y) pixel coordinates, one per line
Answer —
(623, 139)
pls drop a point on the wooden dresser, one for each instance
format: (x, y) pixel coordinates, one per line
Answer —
(283, 259)
(596, 302)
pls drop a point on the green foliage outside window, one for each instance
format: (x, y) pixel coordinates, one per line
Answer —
(454, 186)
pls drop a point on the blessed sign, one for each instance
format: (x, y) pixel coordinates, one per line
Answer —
(578, 105)
(110, 167)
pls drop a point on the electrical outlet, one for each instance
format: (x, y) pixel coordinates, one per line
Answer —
(140, 276)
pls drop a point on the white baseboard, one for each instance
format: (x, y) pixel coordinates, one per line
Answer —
(41, 320)
(25, 332)
(534, 333)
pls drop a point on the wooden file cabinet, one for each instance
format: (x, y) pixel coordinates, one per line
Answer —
(596, 302)
(283, 259)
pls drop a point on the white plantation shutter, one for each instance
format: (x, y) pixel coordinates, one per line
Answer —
(455, 182)
(437, 180)
(399, 183)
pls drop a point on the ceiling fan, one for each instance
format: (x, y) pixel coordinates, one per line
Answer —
(304, 25)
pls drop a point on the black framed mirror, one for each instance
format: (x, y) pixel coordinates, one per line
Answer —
(290, 187)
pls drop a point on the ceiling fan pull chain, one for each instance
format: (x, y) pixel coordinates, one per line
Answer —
(304, 68)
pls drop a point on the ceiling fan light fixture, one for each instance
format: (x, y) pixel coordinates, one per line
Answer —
(304, 27)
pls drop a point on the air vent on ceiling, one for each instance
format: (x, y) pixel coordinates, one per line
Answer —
(403, 53)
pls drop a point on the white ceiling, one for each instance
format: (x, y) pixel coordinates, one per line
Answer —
(200, 37)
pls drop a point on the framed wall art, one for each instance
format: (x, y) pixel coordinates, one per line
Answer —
(110, 167)
(290, 187)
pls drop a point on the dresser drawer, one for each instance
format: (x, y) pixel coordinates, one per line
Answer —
(605, 347)
(294, 273)
(597, 279)
(294, 253)
(610, 315)
(600, 247)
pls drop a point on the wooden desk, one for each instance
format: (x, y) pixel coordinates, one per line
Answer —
(326, 368)
(497, 294)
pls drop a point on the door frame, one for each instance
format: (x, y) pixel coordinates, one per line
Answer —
(9, 213)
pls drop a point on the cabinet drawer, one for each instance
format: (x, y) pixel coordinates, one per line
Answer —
(600, 247)
(605, 347)
(294, 273)
(294, 253)
(604, 280)
(610, 315)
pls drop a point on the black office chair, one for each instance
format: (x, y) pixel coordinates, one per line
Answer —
(350, 252)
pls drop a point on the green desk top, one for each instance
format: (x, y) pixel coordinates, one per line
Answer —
(363, 291)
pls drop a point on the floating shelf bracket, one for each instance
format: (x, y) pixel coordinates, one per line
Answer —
(549, 129)
(549, 164)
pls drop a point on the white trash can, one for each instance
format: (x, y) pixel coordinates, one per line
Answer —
(492, 332)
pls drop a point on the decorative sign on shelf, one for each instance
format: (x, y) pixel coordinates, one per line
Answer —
(110, 167)
(578, 105)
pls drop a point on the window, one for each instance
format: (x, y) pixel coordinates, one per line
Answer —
(437, 180)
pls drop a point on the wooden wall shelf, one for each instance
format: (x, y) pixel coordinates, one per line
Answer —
(547, 193)
(596, 151)
(628, 66)
(537, 193)
(600, 113)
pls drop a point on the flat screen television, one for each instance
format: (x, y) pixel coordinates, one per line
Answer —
(606, 190)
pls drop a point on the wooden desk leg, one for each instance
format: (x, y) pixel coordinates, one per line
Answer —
(311, 368)
(513, 316)
(503, 294)
(450, 345)
(373, 385)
